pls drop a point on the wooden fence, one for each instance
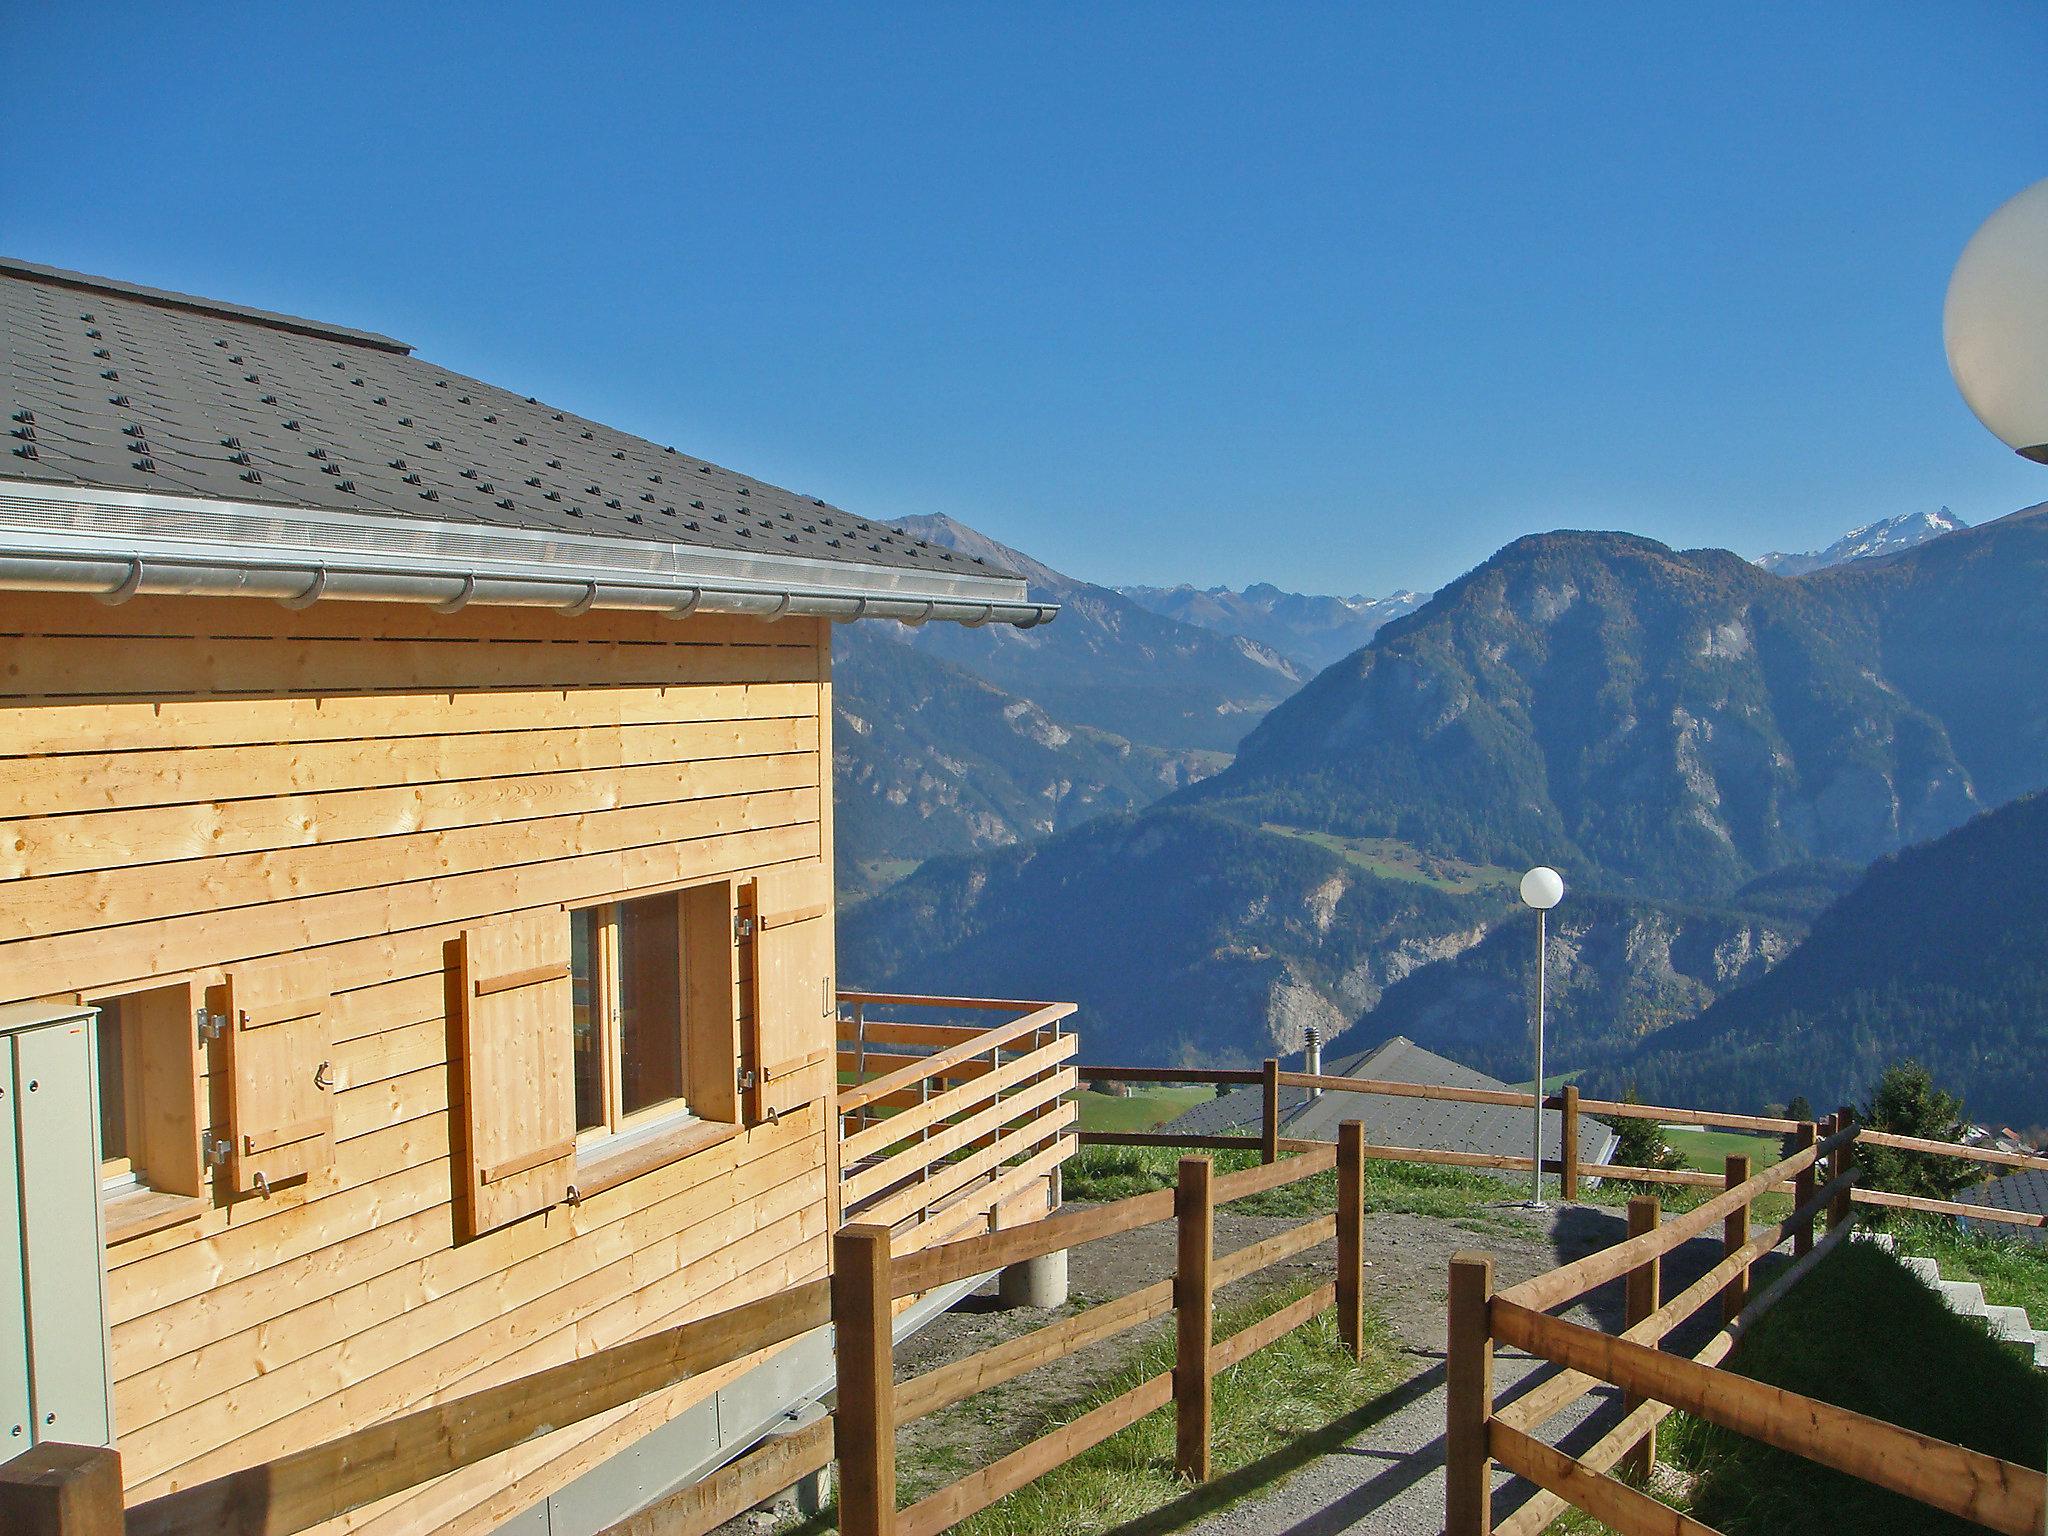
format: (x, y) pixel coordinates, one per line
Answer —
(1572, 1170)
(950, 1128)
(929, 1143)
(1480, 1432)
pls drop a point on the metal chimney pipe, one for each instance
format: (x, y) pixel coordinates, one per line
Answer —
(1312, 1057)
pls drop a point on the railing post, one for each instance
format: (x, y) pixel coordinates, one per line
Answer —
(1844, 1160)
(1803, 1186)
(1568, 1145)
(1643, 1285)
(61, 1490)
(1468, 1405)
(1351, 1236)
(865, 1432)
(1194, 1297)
(1734, 1233)
(1269, 1118)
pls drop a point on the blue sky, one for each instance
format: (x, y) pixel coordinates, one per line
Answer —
(1342, 298)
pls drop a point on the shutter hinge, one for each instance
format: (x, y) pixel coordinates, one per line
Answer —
(211, 1025)
(213, 1150)
(742, 927)
(746, 1078)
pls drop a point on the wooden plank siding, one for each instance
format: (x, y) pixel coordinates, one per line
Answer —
(191, 787)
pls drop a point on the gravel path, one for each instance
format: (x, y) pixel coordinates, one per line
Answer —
(1380, 1470)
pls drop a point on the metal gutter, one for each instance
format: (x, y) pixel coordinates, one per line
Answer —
(115, 545)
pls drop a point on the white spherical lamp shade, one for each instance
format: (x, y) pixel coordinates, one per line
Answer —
(1542, 888)
(1995, 323)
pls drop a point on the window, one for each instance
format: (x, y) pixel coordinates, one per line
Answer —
(145, 1076)
(148, 1049)
(651, 1010)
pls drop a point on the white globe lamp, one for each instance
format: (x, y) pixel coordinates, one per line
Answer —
(1995, 324)
(1542, 889)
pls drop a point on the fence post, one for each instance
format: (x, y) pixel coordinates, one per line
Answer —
(1351, 1236)
(1844, 1160)
(1734, 1233)
(1269, 1118)
(865, 1433)
(1803, 1186)
(1194, 1299)
(1568, 1145)
(1468, 1402)
(61, 1490)
(1643, 1285)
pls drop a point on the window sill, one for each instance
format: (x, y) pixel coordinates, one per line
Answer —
(133, 1213)
(610, 1164)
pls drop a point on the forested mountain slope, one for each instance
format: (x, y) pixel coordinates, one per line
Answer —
(1939, 953)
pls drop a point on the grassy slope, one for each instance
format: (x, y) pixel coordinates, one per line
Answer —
(1142, 1111)
(1709, 1150)
(1862, 1333)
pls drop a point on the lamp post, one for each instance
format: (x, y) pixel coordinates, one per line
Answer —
(1995, 323)
(1542, 889)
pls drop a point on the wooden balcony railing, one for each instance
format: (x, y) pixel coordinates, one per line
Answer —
(951, 1128)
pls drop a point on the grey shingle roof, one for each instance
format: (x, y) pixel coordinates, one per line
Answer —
(108, 386)
(1394, 1121)
(2025, 1190)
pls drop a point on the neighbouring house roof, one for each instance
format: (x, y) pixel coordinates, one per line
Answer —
(2026, 1190)
(161, 442)
(1435, 1124)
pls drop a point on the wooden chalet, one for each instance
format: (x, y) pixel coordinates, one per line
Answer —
(416, 910)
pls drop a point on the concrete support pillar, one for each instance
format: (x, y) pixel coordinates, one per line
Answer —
(1039, 1282)
(813, 1491)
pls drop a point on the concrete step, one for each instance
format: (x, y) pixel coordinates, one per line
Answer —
(1926, 1269)
(1965, 1298)
(2041, 1349)
(2009, 1325)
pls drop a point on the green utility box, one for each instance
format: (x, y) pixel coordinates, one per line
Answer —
(55, 1379)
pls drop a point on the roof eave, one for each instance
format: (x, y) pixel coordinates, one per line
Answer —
(116, 544)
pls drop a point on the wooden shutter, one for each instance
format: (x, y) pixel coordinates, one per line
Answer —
(277, 1041)
(514, 1038)
(788, 1044)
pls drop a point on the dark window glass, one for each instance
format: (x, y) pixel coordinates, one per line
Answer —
(113, 1083)
(650, 1002)
(589, 1009)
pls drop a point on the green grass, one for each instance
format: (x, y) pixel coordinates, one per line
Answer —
(2013, 1272)
(1708, 1151)
(1419, 1189)
(1144, 1110)
(1263, 1407)
(1391, 859)
(1862, 1333)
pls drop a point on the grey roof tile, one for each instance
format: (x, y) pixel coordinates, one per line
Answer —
(319, 414)
(1390, 1120)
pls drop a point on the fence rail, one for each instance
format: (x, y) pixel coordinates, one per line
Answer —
(1994, 1493)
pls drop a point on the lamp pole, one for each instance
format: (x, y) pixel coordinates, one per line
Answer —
(1542, 889)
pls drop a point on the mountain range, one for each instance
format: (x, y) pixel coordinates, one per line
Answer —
(1673, 724)
(1887, 536)
(1310, 630)
(1712, 752)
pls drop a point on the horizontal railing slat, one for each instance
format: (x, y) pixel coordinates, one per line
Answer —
(948, 1384)
(1950, 1208)
(1607, 1499)
(1270, 1329)
(1969, 1484)
(915, 1273)
(1044, 1017)
(976, 1491)
(1228, 1268)
(328, 1480)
